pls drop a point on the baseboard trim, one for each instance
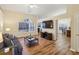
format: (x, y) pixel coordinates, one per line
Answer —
(74, 50)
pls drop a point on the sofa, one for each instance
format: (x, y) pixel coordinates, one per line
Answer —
(8, 39)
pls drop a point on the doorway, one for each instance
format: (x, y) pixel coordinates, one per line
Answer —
(64, 27)
(64, 30)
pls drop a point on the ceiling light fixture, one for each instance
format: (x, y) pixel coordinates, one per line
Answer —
(33, 6)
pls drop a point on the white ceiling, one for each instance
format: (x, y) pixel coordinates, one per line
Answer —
(42, 10)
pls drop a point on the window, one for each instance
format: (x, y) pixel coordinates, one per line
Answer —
(26, 26)
(31, 27)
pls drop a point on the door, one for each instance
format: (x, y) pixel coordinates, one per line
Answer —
(76, 32)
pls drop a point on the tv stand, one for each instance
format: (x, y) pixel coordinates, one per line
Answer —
(46, 35)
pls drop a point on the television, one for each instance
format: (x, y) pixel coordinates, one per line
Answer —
(48, 24)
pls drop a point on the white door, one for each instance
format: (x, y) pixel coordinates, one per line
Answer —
(76, 31)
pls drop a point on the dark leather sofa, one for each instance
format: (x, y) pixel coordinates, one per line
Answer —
(8, 39)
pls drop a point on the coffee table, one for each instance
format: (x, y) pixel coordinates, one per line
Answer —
(31, 41)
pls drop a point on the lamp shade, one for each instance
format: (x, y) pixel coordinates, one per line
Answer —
(7, 29)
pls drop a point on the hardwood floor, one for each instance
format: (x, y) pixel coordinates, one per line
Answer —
(46, 47)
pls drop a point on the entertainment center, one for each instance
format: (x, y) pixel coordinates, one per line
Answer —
(47, 25)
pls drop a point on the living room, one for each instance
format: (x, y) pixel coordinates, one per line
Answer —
(31, 29)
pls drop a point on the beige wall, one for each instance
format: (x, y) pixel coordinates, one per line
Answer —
(13, 18)
(1, 20)
(1, 25)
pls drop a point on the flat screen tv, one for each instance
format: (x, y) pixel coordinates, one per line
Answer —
(48, 24)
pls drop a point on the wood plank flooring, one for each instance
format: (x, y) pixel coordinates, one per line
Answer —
(46, 47)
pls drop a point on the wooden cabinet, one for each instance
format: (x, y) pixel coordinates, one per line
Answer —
(68, 33)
